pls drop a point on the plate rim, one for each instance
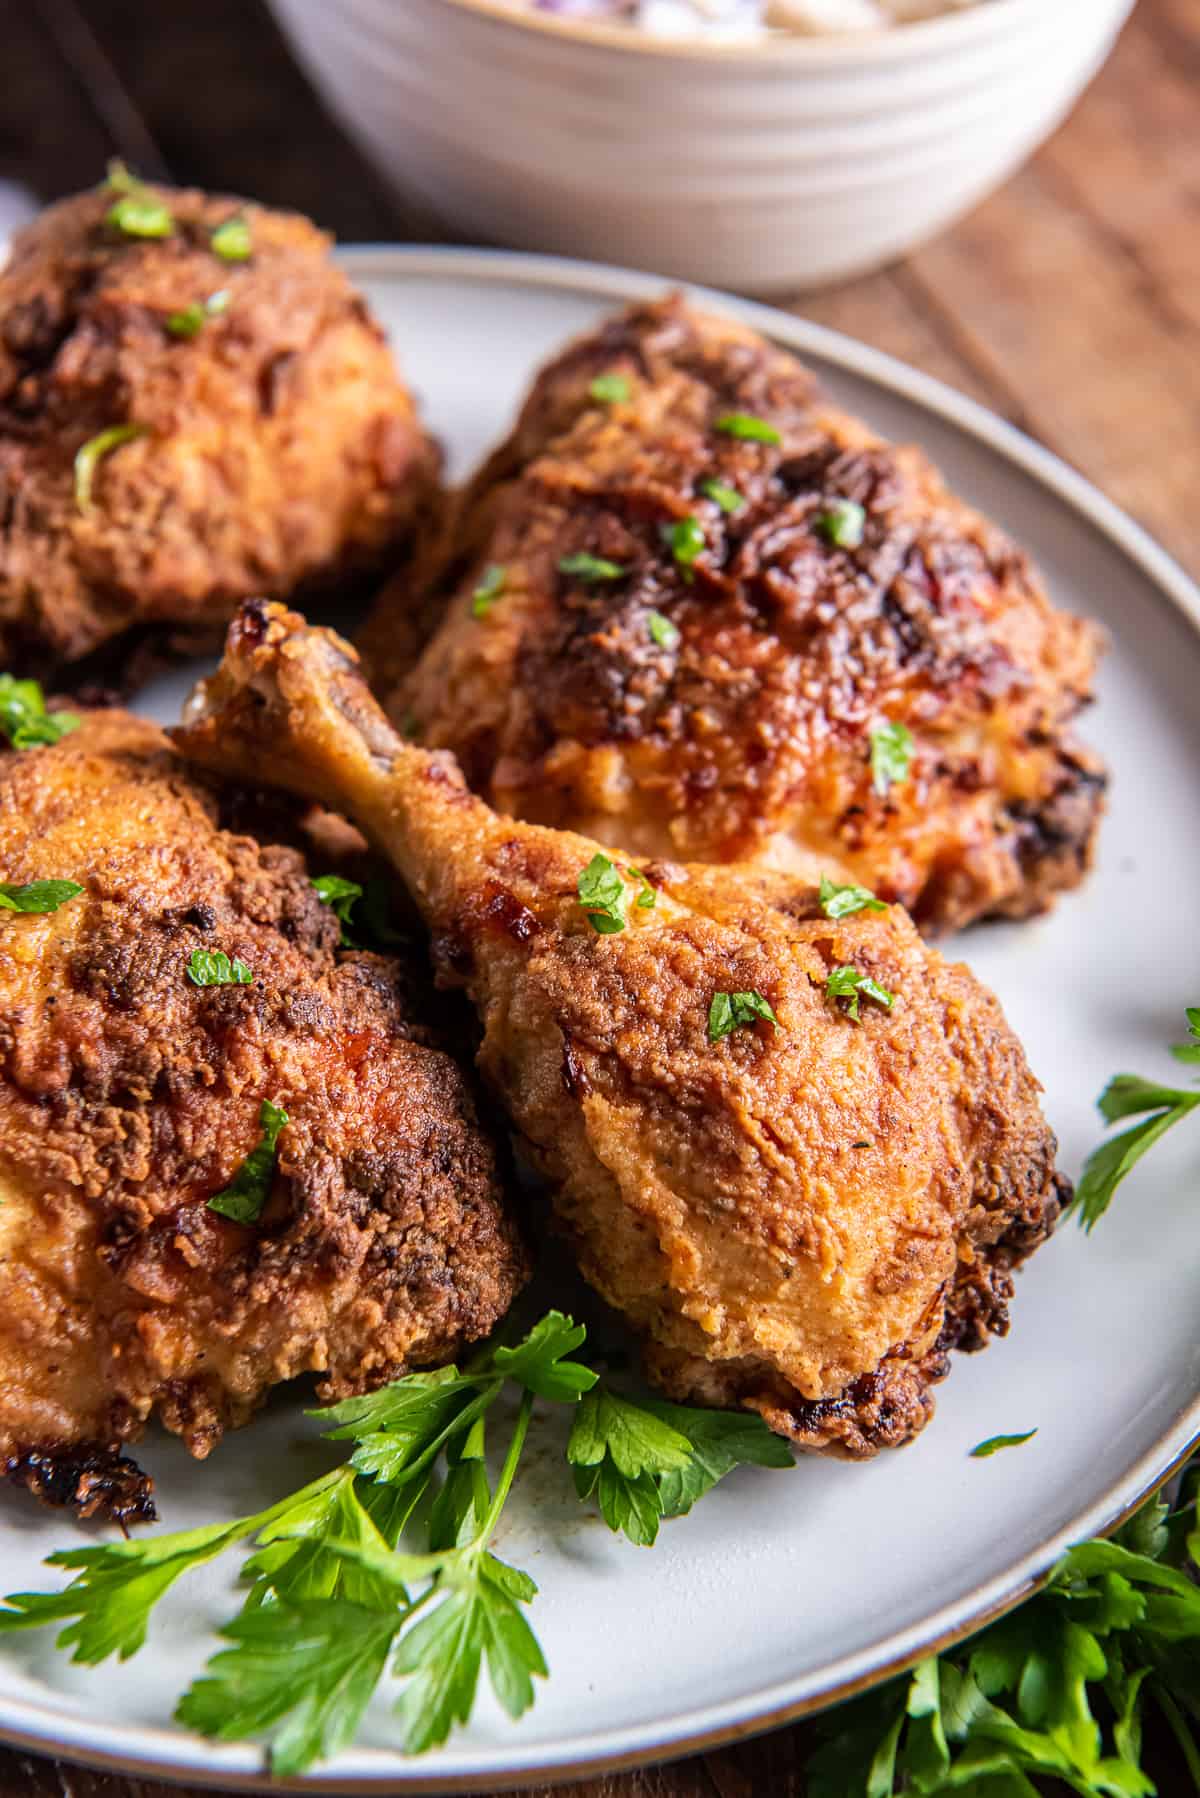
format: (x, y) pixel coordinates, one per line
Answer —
(169, 1753)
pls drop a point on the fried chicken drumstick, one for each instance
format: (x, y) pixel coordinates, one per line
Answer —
(684, 594)
(800, 1217)
(130, 1097)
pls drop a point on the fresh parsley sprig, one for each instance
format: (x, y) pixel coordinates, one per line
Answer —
(365, 927)
(1055, 1691)
(37, 895)
(246, 1195)
(1129, 1095)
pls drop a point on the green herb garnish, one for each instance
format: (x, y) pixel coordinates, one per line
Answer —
(747, 428)
(212, 967)
(243, 1199)
(685, 539)
(647, 899)
(591, 568)
(842, 523)
(329, 1600)
(90, 455)
(662, 631)
(891, 755)
(1052, 1697)
(641, 1461)
(843, 902)
(731, 1011)
(139, 212)
(728, 498)
(848, 984)
(24, 719)
(190, 320)
(994, 1444)
(231, 241)
(490, 587)
(609, 390)
(1129, 1095)
(339, 894)
(37, 895)
(602, 895)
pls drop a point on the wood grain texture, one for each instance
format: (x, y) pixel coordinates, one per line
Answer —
(1069, 302)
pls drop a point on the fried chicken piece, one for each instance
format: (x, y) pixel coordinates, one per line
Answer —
(799, 1218)
(130, 1096)
(278, 449)
(711, 693)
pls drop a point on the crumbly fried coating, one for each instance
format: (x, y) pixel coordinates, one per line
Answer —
(280, 448)
(129, 1096)
(798, 1218)
(717, 705)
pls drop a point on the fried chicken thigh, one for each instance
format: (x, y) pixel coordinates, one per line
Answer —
(130, 1096)
(249, 432)
(801, 1217)
(683, 594)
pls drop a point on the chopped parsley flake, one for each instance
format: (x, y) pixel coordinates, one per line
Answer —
(139, 212)
(231, 241)
(339, 894)
(591, 568)
(746, 428)
(842, 523)
(728, 498)
(891, 755)
(685, 539)
(995, 1443)
(848, 984)
(609, 390)
(37, 895)
(189, 321)
(90, 455)
(489, 590)
(647, 899)
(243, 1199)
(843, 902)
(24, 719)
(602, 895)
(663, 632)
(212, 967)
(732, 1011)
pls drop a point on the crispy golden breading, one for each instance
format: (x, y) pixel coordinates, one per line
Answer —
(800, 1219)
(716, 704)
(280, 447)
(129, 1096)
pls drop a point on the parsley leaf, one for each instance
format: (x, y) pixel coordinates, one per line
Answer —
(602, 895)
(848, 984)
(844, 901)
(139, 212)
(647, 899)
(489, 590)
(89, 456)
(212, 967)
(609, 390)
(662, 631)
(1129, 1095)
(37, 895)
(891, 755)
(591, 568)
(747, 428)
(190, 320)
(339, 894)
(732, 1011)
(994, 1444)
(243, 1199)
(841, 524)
(231, 241)
(727, 498)
(641, 1461)
(24, 719)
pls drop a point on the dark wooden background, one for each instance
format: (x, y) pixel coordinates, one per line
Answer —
(1069, 302)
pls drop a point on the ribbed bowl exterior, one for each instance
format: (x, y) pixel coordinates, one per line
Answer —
(762, 169)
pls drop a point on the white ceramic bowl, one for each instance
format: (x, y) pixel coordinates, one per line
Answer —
(762, 166)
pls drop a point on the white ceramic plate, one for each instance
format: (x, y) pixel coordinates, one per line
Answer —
(784, 1590)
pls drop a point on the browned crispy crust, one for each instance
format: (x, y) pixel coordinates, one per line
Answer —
(129, 1096)
(801, 1219)
(746, 734)
(281, 449)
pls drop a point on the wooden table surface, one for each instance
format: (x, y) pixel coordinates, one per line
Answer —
(1069, 302)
